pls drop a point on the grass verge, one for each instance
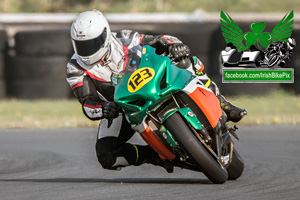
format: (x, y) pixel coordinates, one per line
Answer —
(277, 107)
(42, 114)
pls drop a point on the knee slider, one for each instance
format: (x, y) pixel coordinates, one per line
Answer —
(105, 151)
(107, 160)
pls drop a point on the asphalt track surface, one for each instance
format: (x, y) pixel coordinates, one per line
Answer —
(61, 164)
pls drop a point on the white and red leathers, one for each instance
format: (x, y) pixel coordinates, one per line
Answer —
(92, 87)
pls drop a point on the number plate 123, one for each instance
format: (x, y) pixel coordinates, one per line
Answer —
(140, 78)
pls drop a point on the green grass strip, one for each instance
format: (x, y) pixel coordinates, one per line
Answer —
(277, 107)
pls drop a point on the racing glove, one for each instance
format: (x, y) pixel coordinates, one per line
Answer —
(110, 109)
(181, 55)
(179, 51)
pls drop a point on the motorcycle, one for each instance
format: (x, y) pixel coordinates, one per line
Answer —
(272, 59)
(178, 117)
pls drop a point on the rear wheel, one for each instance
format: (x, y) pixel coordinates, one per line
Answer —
(236, 167)
(195, 150)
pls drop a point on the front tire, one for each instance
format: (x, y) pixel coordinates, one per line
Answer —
(195, 150)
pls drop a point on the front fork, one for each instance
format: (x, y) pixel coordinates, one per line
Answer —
(222, 141)
(217, 140)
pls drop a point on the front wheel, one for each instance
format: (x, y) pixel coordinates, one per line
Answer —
(195, 150)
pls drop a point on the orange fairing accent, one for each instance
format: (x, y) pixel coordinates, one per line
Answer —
(209, 104)
(202, 67)
(156, 144)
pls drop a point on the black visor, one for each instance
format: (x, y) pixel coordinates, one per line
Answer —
(89, 47)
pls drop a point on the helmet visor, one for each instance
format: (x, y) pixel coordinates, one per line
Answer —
(89, 47)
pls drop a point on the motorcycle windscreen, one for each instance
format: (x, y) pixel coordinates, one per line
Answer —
(208, 103)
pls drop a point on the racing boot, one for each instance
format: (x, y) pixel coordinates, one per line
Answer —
(234, 113)
(148, 155)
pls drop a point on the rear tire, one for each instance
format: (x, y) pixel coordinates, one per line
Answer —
(236, 166)
(193, 147)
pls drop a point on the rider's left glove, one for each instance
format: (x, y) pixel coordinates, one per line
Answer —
(179, 51)
(181, 55)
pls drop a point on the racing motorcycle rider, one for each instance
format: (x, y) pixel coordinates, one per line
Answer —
(280, 49)
(98, 53)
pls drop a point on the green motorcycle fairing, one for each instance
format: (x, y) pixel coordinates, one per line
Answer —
(188, 115)
(155, 80)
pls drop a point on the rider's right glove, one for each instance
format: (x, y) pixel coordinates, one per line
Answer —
(109, 109)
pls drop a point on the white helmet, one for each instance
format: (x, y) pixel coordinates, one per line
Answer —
(91, 36)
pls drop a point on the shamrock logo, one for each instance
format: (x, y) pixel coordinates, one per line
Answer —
(242, 41)
(257, 36)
